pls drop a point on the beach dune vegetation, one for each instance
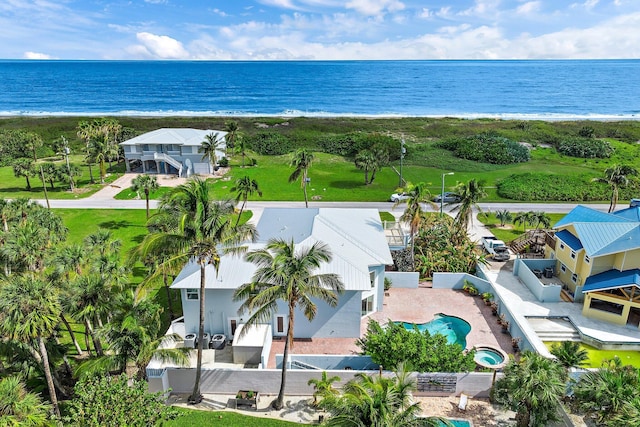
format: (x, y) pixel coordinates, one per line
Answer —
(487, 147)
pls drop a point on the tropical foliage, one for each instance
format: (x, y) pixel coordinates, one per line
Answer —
(301, 161)
(372, 400)
(19, 407)
(616, 177)
(112, 401)
(488, 147)
(392, 345)
(589, 148)
(533, 387)
(570, 354)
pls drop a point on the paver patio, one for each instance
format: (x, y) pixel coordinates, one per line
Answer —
(416, 306)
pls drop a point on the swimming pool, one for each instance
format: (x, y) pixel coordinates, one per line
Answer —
(453, 328)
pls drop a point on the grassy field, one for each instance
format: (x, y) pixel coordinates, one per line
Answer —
(197, 418)
(334, 178)
(596, 356)
(510, 231)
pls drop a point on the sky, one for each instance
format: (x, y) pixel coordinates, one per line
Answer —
(319, 29)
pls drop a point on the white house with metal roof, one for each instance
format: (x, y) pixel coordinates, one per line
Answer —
(598, 256)
(360, 253)
(171, 151)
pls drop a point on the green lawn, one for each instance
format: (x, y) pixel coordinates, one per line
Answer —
(510, 231)
(197, 418)
(596, 356)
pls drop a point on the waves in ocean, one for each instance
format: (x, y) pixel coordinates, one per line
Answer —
(550, 90)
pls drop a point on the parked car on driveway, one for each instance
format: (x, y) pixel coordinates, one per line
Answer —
(449, 197)
(399, 197)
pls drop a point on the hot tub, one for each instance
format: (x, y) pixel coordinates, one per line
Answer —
(490, 357)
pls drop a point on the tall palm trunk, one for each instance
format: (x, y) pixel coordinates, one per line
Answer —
(614, 199)
(244, 202)
(96, 341)
(279, 402)
(166, 287)
(49, 377)
(71, 334)
(146, 196)
(196, 396)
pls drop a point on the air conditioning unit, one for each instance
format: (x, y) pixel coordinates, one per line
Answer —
(190, 341)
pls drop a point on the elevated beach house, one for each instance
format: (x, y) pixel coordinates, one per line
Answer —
(360, 253)
(598, 255)
(171, 151)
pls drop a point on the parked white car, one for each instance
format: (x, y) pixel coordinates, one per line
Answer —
(399, 197)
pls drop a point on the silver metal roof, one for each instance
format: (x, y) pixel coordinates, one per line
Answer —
(355, 236)
(176, 136)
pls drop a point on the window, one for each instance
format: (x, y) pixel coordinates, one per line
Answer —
(574, 278)
(372, 278)
(279, 324)
(587, 259)
(573, 254)
(367, 305)
(561, 245)
(192, 294)
(563, 268)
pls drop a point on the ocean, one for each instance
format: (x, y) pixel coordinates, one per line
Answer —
(520, 89)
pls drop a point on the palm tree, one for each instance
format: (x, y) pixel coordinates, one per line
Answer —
(85, 132)
(470, 195)
(301, 161)
(197, 229)
(533, 387)
(605, 391)
(134, 337)
(365, 160)
(33, 141)
(146, 183)
(241, 146)
(523, 218)
(615, 177)
(244, 188)
(208, 147)
(23, 167)
(30, 310)
(570, 354)
(18, 407)
(540, 218)
(286, 273)
(323, 387)
(51, 173)
(413, 213)
(503, 216)
(381, 154)
(232, 129)
(374, 400)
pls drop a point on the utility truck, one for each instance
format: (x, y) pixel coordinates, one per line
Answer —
(496, 248)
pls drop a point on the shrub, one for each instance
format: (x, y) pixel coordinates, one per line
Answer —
(393, 344)
(270, 143)
(585, 148)
(544, 187)
(488, 147)
(223, 162)
(352, 143)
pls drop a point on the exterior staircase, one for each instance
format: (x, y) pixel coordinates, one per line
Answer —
(168, 159)
(535, 240)
(549, 329)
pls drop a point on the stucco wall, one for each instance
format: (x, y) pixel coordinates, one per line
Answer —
(401, 279)
(544, 293)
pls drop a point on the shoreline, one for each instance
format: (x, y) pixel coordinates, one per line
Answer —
(213, 114)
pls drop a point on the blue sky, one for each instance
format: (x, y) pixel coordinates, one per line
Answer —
(319, 29)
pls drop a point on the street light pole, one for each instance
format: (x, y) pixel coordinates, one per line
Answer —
(442, 192)
(402, 151)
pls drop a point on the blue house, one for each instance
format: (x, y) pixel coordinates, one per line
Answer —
(360, 253)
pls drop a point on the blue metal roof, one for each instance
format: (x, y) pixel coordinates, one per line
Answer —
(586, 214)
(612, 279)
(632, 214)
(572, 241)
(603, 238)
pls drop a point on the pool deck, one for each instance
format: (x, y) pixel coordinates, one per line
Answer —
(416, 306)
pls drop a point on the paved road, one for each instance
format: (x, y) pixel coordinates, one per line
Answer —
(92, 203)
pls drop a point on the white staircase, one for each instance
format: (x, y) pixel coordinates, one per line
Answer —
(168, 159)
(550, 329)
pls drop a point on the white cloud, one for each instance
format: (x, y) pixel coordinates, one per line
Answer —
(375, 7)
(482, 8)
(590, 4)
(36, 55)
(528, 8)
(159, 47)
(156, 1)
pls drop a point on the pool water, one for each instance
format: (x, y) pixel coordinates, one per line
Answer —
(458, 423)
(453, 328)
(486, 356)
